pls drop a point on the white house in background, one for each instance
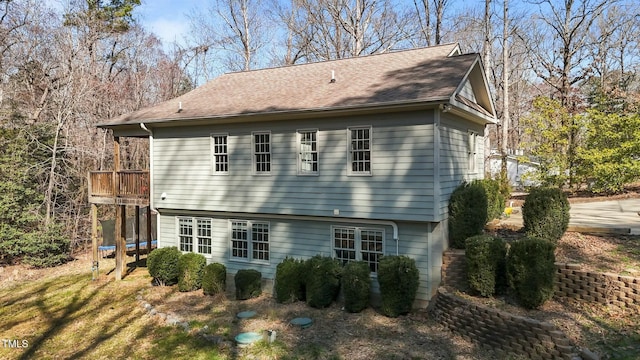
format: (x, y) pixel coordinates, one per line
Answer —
(352, 158)
(517, 170)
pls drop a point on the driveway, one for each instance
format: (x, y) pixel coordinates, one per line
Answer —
(613, 214)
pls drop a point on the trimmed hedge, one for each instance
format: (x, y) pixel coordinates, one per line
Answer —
(495, 198)
(531, 271)
(398, 277)
(545, 213)
(323, 281)
(248, 284)
(290, 280)
(356, 286)
(163, 265)
(485, 256)
(467, 213)
(190, 268)
(214, 279)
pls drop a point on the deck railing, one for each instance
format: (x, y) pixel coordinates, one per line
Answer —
(125, 184)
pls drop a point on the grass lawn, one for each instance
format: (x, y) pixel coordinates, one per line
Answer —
(69, 316)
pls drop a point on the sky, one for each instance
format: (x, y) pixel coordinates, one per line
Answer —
(167, 18)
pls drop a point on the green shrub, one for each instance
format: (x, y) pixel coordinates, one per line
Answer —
(163, 265)
(248, 284)
(323, 281)
(214, 279)
(531, 271)
(356, 286)
(399, 278)
(545, 213)
(190, 268)
(290, 282)
(46, 248)
(485, 256)
(495, 198)
(467, 213)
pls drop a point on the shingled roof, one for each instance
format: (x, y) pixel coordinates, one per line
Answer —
(426, 75)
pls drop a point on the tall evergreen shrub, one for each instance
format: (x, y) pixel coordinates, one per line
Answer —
(398, 277)
(290, 280)
(545, 213)
(495, 198)
(190, 269)
(467, 213)
(163, 265)
(248, 284)
(531, 271)
(323, 281)
(485, 256)
(214, 279)
(356, 286)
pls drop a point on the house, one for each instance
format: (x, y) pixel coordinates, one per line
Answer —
(352, 158)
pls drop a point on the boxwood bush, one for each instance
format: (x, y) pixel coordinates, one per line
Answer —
(467, 213)
(531, 271)
(290, 280)
(485, 256)
(163, 265)
(495, 198)
(545, 213)
(248, 284)
(398, 277)
(323, 281)
(356, 286)
(190, 267)
(214, 279)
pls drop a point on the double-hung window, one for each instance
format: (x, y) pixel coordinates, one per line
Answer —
(220, 153)
(249, 240)
(358, 244)
(200, 239)
(261, 152)
(359, 151)
(307, 152)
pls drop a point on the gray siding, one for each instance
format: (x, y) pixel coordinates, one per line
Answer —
(454, 157)
(303, 239)
(401, 187)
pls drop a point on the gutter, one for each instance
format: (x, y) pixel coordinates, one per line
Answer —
(391, 223)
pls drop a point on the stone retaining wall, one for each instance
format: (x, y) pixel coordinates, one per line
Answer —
(603, 288)
(501, 331)
(571, 282)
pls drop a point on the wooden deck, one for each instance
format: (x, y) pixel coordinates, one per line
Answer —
(125, 187)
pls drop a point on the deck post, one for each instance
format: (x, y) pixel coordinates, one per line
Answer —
(137, 227)
(148, 230)
(94, 241)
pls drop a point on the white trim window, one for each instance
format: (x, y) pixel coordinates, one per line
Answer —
(201, 239)
(185, 234)
(204, 238)
(359, 151)
(220, 153)
(261, 152)
(307, 152)
(358, 244)
(472, 152)
(249, 240)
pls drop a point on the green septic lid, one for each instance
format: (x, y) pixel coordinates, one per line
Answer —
(303, 322)
(246, 314)
(248, 338)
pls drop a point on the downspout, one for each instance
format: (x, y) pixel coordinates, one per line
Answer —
(151, 203)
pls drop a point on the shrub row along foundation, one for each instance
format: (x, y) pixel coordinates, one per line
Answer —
(501, 331)
(571, 282)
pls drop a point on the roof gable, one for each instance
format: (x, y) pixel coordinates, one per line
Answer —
(427, 75)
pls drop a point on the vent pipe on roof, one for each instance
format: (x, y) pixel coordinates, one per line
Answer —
(333, 76)
(179, 106)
